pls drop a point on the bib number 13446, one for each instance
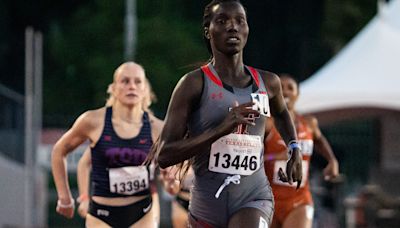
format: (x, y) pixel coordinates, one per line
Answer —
(244, 162)
(236, 154)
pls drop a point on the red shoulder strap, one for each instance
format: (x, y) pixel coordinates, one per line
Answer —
(211, 75)
(255, 75)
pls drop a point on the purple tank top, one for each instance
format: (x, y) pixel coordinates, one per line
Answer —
(111, 151)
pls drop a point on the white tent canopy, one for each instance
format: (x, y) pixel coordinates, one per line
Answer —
(366, 73)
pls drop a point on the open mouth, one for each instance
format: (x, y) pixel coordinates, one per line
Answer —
(233, 40)
(287, 100)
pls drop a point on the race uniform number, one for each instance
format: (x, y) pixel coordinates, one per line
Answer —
(236, 154)
(261, 103)
(282, 164)
(307, 146)
(129, 180)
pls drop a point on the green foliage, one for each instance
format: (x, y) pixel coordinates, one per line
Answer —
(169, 45)
(167, 49)
(343, 19)
(84, 44)
(84, 50)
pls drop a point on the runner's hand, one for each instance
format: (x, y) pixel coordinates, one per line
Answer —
(83, 208)
(66, 207)
(294, 172)
(169, 180)
(238, 115)
(331, 171)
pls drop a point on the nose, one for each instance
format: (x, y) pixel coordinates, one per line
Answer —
(285, 91)
(232, 26)
(132, 85)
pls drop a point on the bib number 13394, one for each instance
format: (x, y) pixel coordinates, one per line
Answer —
(129, 180)
(236, 154)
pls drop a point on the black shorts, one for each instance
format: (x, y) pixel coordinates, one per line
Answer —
(121, 216)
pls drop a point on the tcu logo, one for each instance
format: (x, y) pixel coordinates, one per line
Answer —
(261, 103)
(125, 156)
(102, 212)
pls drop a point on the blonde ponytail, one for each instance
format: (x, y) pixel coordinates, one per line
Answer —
(111, 99)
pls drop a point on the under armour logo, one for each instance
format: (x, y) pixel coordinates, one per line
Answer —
(142, 141)
(107, 138)
(217, 96)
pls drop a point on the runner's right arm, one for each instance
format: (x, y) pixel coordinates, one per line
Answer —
(172, 147)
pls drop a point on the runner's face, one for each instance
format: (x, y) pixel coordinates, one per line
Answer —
(228, 30)
(290, 91)
(129, 85)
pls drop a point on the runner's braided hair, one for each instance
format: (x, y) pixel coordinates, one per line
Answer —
(185, 165)
(207, 17)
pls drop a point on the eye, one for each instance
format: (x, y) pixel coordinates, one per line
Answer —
(138, 81)
(242, 20)
(291, 87)
(221, 21)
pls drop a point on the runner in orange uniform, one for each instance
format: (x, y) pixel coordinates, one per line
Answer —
(294, 208)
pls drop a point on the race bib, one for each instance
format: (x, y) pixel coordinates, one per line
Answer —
(306, 146)
(261, 103)
(236, 154)
(128, 180)
(282, 164)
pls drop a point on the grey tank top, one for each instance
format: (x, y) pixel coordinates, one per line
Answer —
(215, 102)
(216, 99)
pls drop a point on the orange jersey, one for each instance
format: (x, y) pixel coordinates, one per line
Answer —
(275, 145)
